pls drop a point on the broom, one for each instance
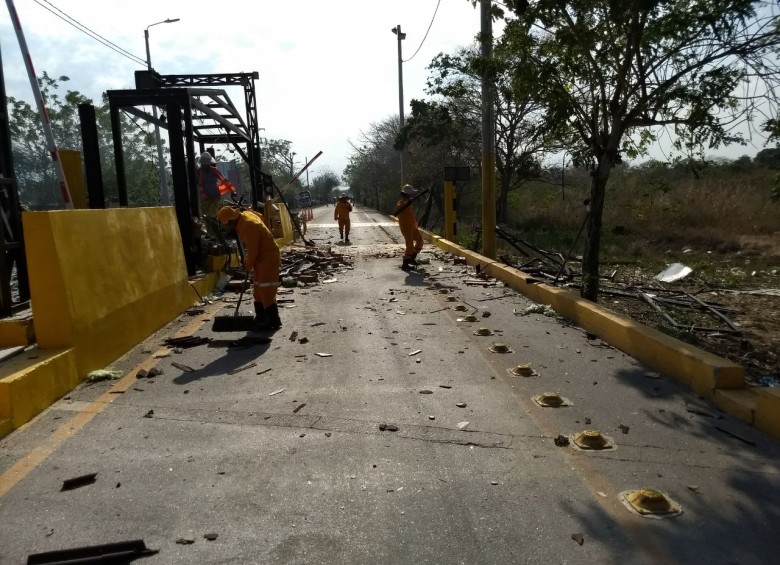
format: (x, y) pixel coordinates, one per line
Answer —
(235, 323)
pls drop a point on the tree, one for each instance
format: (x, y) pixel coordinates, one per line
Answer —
(454, 116)
(324, 184)
(616, 71)
(35, 175)
(372, 170)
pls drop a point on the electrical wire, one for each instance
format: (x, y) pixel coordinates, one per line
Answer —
(89, 33)
(426, 33)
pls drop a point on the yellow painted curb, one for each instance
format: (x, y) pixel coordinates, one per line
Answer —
(768, 411)
(5, 427)
(739, 403)
(31, 382)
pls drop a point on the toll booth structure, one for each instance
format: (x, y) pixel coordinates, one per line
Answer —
(195, 109)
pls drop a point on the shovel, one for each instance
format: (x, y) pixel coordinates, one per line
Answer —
(235, 323)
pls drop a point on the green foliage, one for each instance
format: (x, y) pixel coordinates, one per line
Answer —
(35, 174)
(607, 71)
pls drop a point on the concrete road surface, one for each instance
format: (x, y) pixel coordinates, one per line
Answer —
(376, 427)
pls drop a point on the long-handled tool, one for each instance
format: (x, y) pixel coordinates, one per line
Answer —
(235, 323)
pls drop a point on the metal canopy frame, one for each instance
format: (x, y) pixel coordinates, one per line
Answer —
(195, 108)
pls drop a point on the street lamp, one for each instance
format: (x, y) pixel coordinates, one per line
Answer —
(164, 196)
(401, 36)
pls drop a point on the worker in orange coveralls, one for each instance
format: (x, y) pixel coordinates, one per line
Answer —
(407, 221)
(341, 215)
(262, 258)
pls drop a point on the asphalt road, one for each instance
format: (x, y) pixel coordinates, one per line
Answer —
(287, 461)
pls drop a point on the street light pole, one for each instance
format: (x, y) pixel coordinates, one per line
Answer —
(164, 193)
(401, 36)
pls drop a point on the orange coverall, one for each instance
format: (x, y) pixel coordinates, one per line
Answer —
(407, 221)
(262, 256)
(341, 215)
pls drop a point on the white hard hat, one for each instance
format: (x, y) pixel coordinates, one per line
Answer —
(206, 158)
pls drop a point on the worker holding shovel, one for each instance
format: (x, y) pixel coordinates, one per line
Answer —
(407, 221)
(262, 258)
(341, 215)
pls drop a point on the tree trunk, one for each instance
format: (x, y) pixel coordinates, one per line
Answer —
(590, 258)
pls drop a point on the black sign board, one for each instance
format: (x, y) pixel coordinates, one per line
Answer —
(456, 174)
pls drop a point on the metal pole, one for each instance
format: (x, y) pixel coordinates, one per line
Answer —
(488, 138)
(50, 143)
(165, 196)
(401, 36)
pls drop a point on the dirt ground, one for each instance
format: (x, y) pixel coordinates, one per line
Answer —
(742, 277)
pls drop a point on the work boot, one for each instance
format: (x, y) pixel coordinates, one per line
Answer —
(273, 322)
(413, 261)
(341, 235)
(406, 266)
(260, 317)
(346, 239)
(272, 315)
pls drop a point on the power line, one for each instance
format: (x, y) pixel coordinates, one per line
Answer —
(426, 33)
(89, 33)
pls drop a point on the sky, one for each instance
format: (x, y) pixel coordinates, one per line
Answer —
(328, 69)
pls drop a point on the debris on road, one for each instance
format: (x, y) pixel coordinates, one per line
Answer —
(244, 368)
(104, 375)
(293, 336)
(536, 309)
(185, 541)
(415, 352)
(117, 552)
(281, 390)
(149, 414)
(298, 408)
(78, 482)
(185, 368)
(388, 427)
(460, 404)
(579, 538)
(211, 536)
(561, 440)
(463, 425)
(324, 354)
(186, 341)
(426, 391)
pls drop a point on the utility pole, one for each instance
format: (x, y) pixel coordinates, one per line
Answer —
(401, 36)
(488, 136)
(165, 197)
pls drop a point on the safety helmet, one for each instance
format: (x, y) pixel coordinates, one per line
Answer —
(408, 190)
(206, 158)
(227, 214)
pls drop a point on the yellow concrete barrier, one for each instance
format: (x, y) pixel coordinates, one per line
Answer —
(17, 331)
(30, 383)
(103, 280)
